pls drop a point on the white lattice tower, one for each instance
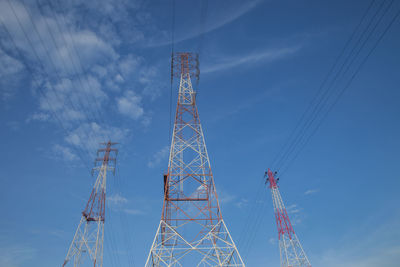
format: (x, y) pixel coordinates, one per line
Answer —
(191, 231)
(87, 244)
(291, 251)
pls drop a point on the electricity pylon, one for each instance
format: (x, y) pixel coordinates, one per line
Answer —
(191, 231)
(89, 236)
(291, 251)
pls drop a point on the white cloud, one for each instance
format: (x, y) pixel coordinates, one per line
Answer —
(8, 64)
(119, 203)
(272, 241)
(243, 202)
(129, 65)
(133, 211)
(64, 153)
(225, 197)
(90, 135)
(39, 116)
(16, 255)
(148, 78)
(293, 209)
(378, 246)
(266, 56)
(10, 69)
(311, 191)
(78, 71)
(218, 16)
(117, 199)
(130, 105)
(158, 157)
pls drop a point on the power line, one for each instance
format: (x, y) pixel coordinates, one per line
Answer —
(321, 87)
(324, 98)
(348, 83)
(99, 111)
(80, 103)
(38, 86)
(172, 63)
(342, 71)
(70, 102)
(313, 115)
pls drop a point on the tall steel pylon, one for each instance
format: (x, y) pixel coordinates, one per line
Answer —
(89, 236)
(291, 251)
(191, 231)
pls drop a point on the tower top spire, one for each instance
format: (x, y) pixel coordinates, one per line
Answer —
(185, 63)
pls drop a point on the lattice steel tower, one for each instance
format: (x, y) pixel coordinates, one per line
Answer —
(191, 231)
(89, 236)
(291, 251)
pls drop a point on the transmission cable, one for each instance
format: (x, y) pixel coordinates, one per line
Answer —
(257, 221)
(39, 87)
(40, 62)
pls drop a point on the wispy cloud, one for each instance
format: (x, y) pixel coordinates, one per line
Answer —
(130, 104)
(293, 209)
(118, 203)
(272, 241)
(76, 73)
(158, 157)
(117, 199)
(242, 203)
(64, 153)
(133, 211)
(296, 214)
(88, 136)
(266, 56)
(218, 16)
(225, 197)
(311, 191)
(10, 70)
(378, 247)
(16, 255)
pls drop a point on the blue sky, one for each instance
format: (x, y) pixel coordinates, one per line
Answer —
(83, 71)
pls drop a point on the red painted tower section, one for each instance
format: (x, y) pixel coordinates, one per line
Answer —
(291, 251)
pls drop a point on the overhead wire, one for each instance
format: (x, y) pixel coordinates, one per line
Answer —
(326, 93)
(203, 20)
(172, 71)
(394, 18)
(258, 215)
(321, 121)
(57, 74)
(321, 87)
(127, 231)
(97, 111)
(344, 68)
(79, 151)
(85, 107)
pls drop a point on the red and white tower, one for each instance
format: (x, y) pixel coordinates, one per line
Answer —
(89, 236)
(191, 231)
(291, 251)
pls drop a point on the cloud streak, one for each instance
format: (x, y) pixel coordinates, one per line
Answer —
(266, 56)
(158, 157)
(311, 191)
(222, 15)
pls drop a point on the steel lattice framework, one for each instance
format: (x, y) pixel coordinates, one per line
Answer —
(191, 231)
(89, 236)
(291, 251)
